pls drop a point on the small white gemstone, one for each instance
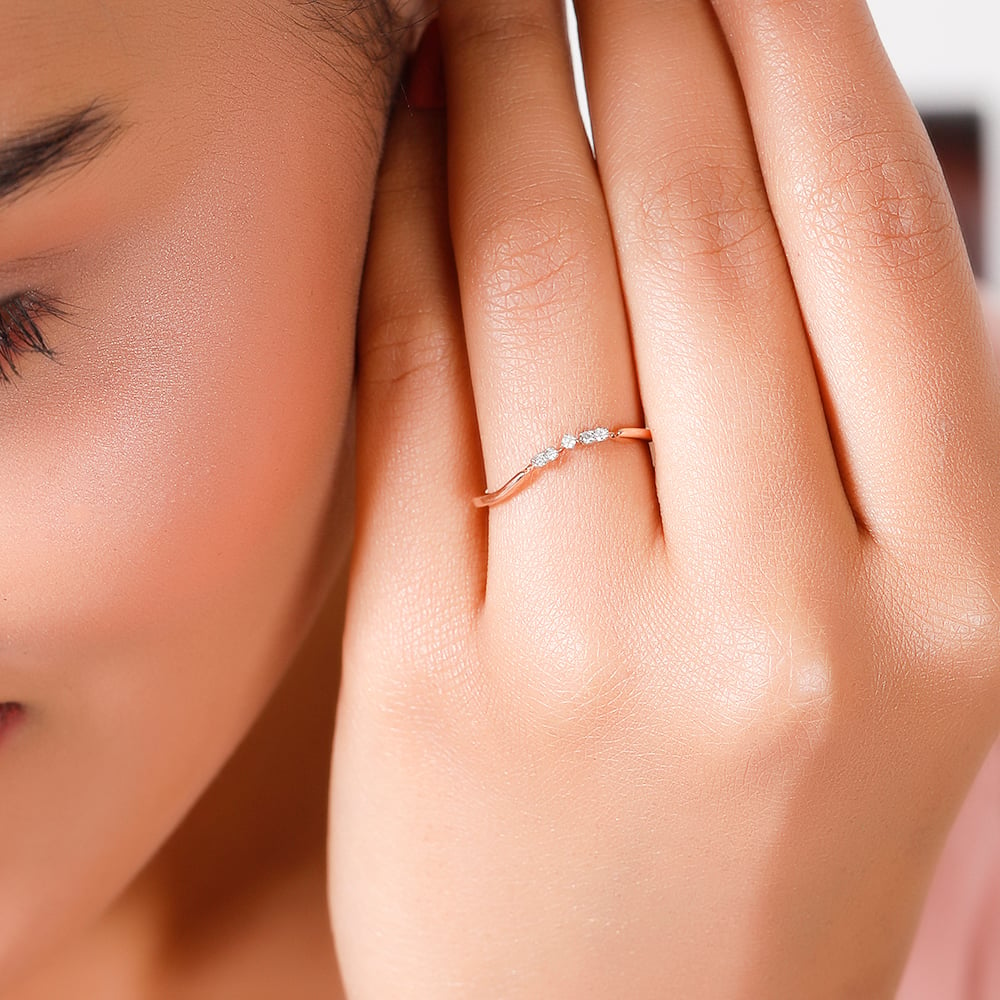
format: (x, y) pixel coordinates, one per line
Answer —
(568, 441)
(544, 457)
(594, 434)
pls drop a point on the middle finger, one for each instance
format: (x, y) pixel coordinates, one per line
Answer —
(723, 359)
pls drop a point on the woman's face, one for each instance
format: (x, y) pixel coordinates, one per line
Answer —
(184, 200)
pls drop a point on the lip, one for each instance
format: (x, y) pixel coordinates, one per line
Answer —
(11, 712)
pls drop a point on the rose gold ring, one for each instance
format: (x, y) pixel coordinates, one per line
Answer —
(569, 441)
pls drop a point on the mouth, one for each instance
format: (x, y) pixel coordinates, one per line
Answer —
(10, 713)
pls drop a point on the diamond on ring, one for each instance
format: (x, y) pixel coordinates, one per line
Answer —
(595, 434)
(550, 454)
(544, 457)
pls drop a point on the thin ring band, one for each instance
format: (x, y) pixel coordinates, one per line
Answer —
(569, 441)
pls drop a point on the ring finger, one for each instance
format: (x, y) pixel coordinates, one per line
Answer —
(547, 337)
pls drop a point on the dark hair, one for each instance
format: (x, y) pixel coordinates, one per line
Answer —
(376, 36)
(374, 30)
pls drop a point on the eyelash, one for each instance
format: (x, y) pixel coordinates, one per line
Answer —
(19, 332)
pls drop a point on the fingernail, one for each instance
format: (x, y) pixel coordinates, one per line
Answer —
(424, 79)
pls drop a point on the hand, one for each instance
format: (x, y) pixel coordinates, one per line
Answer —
(698, 729)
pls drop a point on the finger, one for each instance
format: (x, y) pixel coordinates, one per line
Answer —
(418, 458)
(545, 326)
(881, 270)
(723, 360)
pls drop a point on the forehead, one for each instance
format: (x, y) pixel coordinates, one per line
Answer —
(58, 50)
(208, 92)
(61, 54)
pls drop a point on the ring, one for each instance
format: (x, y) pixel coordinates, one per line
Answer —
(547, 455)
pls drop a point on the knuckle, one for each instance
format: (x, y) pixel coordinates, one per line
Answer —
(756, 683)
(533, 274)
(780, 714)
(784, 677)
(767, 659)
(405, 348)
(713, 214)
(488, 26)
(882, 193)
(563, 678)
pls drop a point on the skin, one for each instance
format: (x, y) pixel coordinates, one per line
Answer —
(172, 522)
(701, 728)
(132, 865)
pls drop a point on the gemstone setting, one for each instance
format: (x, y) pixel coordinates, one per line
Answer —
(569, 441)
(593, 435)
(548, 455)
(544, 457)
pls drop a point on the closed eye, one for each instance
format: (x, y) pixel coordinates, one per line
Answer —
(20, 333)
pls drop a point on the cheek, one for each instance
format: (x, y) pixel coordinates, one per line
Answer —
(185, 450)
(166, 517)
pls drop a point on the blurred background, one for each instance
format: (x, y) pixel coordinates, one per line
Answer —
(947, 53)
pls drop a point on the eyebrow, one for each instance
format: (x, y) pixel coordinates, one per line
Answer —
(58, 145)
